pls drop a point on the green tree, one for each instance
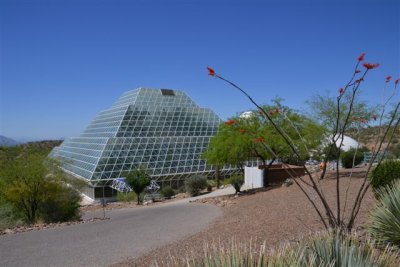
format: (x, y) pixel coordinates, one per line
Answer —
(34, 186)
(245, 138)
(324, 109)
(138, 180)
(25, 186)
(35, 189)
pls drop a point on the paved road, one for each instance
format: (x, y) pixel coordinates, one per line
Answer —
(128, 233)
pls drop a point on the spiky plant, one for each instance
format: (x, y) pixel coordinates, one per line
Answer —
(341, 251)
(322, 250)
(384, 223)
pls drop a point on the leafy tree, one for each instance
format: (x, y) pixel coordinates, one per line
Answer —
(138, 179)
(241, 139)
(34, 186)
(34, 191)
(324, 109)
(27, 186)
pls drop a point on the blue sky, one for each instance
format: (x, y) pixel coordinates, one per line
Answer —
(61, 62)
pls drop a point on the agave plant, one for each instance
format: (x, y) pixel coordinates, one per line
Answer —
(384, 223)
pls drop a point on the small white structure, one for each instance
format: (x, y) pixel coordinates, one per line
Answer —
(253, 177)
(246, 114)
(347, 144)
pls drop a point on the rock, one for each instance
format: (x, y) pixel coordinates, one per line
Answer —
(288, 182)
(8, 231)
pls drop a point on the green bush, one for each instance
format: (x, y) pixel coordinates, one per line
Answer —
(385, 173)
(182, 189)
(212, 182)
(210, 185)
(8, 217)
(348, 157)
(126, 197)
(385, 217)
(167, 192)
(195, 184)
(61, 204)
(236, 181)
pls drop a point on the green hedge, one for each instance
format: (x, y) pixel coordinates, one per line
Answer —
(195, 184)
(348, 156)
(167, 192)
(385, 173)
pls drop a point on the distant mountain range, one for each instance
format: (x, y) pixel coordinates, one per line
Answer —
(5, 141)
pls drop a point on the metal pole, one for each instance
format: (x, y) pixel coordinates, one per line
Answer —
(104, 205)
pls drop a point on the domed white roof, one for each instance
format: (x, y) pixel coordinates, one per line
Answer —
(246, 114)
(348, 143)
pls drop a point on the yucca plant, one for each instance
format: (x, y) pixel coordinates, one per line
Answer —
(341, 251)
(322, 250)
(384, 223)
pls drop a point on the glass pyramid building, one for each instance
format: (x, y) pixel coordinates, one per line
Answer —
(161, 129)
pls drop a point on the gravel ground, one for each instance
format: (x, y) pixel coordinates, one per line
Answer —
(275, 216)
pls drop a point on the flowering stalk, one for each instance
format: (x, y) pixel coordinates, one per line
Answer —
(328, 211)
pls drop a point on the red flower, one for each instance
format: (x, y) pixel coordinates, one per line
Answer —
(258, 140)
(230, 122)
(359, 80)
(276, 110)
(374, 117)
(271, 113)
(354, 118)
(397, 81)
(361, 57)
(242, 131)
(261, 113)
(341, 91)
(357, 71)
(211, 71)
(388, 78)
(370, 66)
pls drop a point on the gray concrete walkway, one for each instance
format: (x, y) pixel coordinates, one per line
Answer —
(128, 233)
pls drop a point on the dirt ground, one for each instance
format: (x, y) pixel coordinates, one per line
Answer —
(276, 216)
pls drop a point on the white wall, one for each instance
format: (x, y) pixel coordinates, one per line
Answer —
(253, 177)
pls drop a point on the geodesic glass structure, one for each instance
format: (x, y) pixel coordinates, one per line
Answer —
(160, 129)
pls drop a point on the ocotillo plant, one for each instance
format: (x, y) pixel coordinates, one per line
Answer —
(387, 121)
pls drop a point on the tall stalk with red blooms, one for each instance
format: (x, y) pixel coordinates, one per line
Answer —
(335, 217)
